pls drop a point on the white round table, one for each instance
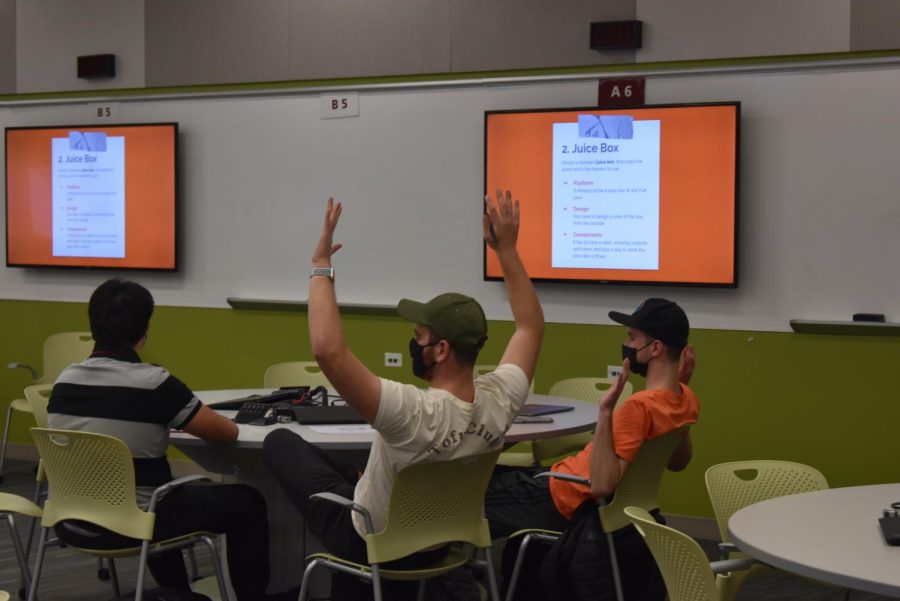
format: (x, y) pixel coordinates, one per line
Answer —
(829, 535)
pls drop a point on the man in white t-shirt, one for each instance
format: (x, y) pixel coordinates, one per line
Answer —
(455, 416)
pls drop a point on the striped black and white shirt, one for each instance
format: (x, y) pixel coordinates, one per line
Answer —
(112, 392)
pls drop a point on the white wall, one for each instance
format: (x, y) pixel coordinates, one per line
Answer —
(228, 41)
(699, 29)
(51, 34)
(224, 41)
(818, 212)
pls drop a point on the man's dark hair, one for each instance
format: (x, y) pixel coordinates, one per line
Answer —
(119, 312)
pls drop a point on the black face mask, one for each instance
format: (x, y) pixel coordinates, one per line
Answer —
(631, 354)
(417, 352)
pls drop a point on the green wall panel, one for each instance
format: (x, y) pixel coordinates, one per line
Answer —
(829, 401)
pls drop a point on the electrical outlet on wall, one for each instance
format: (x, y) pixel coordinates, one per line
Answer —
(393, 360)
(613, 371)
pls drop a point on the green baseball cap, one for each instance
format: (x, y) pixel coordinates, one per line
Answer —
(456, 318)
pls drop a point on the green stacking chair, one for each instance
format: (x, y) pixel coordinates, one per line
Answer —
(60, 351)
(295, 373)
(91, 478)
(431, 504)
(639, 487)
(550, 450)
(737, 484)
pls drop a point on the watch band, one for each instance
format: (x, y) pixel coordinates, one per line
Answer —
(326, 271)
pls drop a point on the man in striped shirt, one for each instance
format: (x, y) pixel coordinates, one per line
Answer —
(112, 392)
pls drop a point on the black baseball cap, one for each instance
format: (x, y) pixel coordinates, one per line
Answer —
(660, 318)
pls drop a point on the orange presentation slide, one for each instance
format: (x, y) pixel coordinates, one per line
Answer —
(640, 195)
(88, 196)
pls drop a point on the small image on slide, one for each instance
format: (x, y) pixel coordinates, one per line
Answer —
(94, 141)
(611, 127)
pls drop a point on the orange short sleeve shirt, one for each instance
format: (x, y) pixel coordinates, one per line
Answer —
(645, 415)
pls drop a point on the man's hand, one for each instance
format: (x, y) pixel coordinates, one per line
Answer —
(501, 221)
(608, 402)
(325, 248)
(688, 361)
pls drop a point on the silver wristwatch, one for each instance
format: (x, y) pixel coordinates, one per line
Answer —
(326, 271)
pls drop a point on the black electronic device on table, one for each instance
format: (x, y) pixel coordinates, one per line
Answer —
(536, 409)
(298, 394)
(890, 525)
(311, 415)
(261, 414)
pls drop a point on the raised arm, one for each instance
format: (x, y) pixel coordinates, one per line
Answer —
(353, 381)
(607, 469)
(501, 230)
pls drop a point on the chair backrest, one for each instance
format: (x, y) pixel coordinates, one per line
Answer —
(640, 484)
(433, 504)
(295, 373)
(735, 485)
(587, 389)
(550, 450)
(38, 396)
(682, 562)
(480, 370)
(91, 478)
(62, 350)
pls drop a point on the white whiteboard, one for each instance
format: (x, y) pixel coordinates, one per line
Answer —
(819, 204)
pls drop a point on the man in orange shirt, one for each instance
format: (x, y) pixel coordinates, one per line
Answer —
(655, 347)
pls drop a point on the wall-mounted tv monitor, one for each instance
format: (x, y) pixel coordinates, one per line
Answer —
(92, 197)
(643, 195)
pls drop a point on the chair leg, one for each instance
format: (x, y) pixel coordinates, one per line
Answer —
(113, 576)
(304, 584)
(420, 592)
(142, 571)
(38, 497)
(38, 564)
(492, 576)
(21, 557)
(5, 438)
(517, 567)
(217, 566)
(614, 564)
(376, 582)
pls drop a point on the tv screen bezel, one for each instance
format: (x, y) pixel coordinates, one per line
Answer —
(614, 282)
(176, 233)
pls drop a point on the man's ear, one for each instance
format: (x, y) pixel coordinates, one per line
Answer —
(658, 348)
(443, 350)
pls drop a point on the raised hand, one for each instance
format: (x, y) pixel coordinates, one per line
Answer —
(325, 247)
(501, 221)
(688, 362)
(608, 402)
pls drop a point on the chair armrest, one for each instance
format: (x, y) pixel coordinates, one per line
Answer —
(564, 476)
(732, 565)
(15, 365)
(728, 548)
(160, 490)
(345, 502)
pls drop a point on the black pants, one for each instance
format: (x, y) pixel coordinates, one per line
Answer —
(303, 469)
(235, 510)
(516, 500)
